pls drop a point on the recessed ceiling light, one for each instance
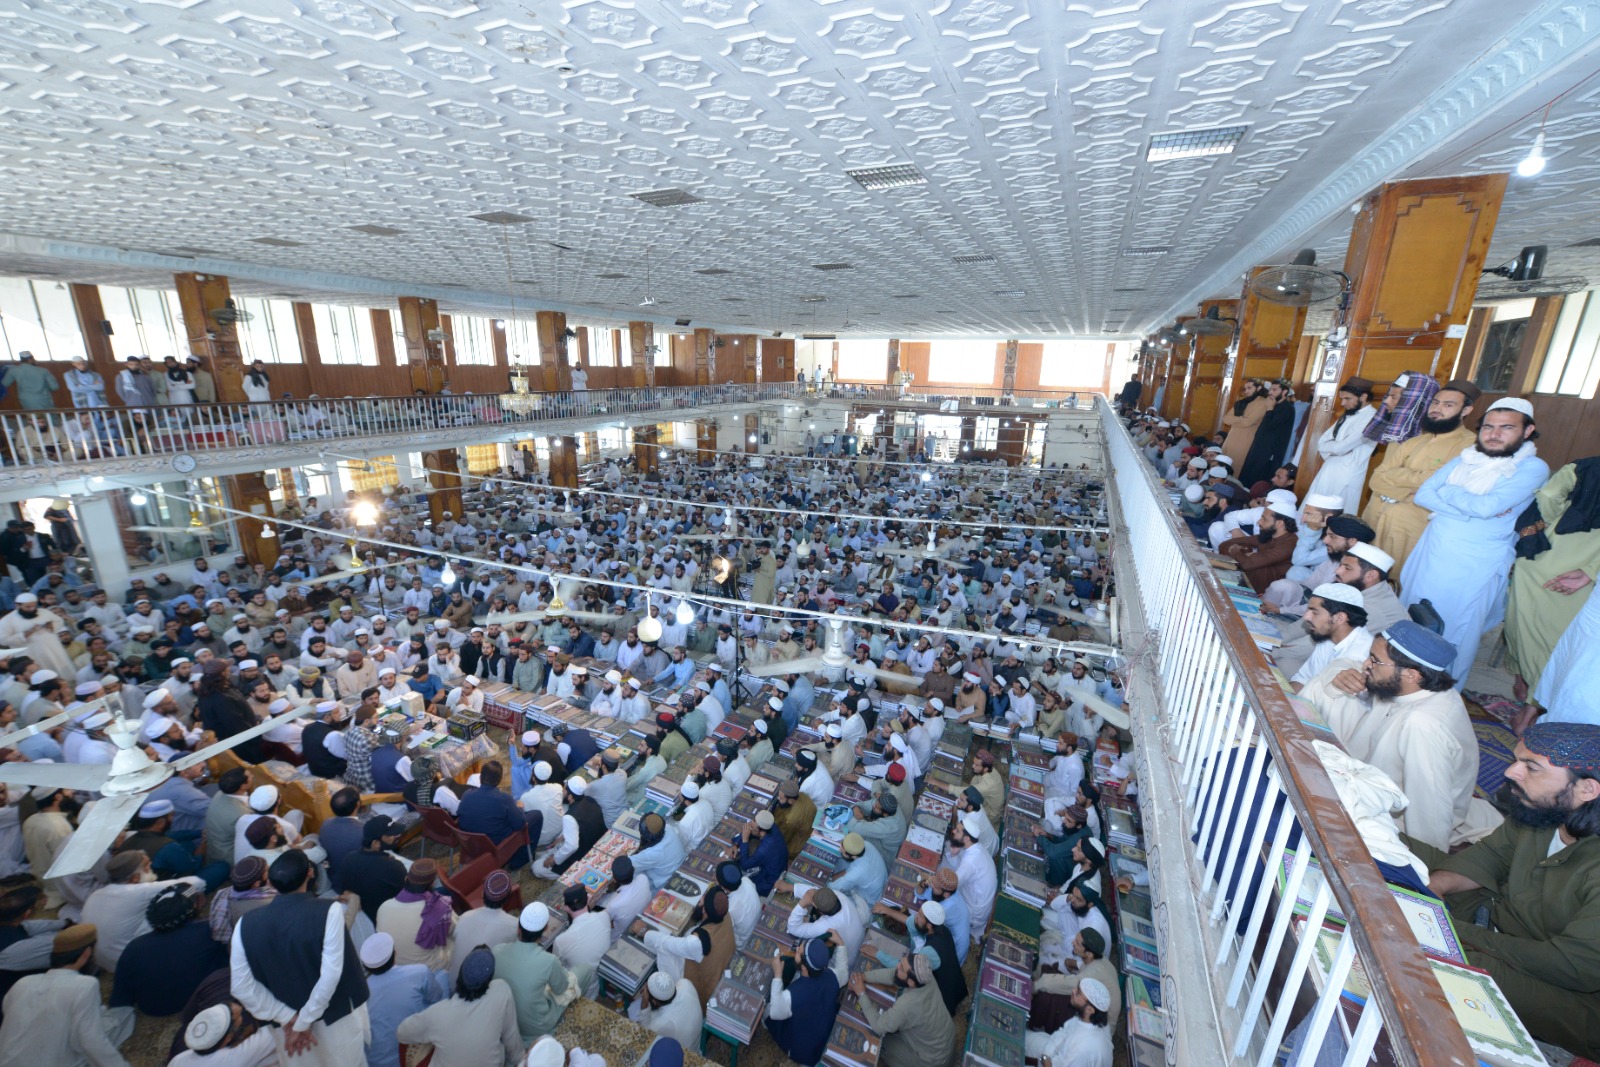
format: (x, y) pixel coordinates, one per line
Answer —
(834, 266)
(893, 176)
(1010, 292)
(1146, 250)
(503, 218)
(278, 242)
(667, 197)
(813, 299)
(377, 231)
(1188, 144)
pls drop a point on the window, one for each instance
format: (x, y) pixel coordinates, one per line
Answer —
(1572, 363)
(1070, 364)
(474, 340)
(372, 475)
(145, 322)
(271, 334)
(611, 440)
(344, 335)
(483, 459)
(602, 346)
(522, 341)
(864, 360)
(39, 317)
(1502, 343)
(963, 362)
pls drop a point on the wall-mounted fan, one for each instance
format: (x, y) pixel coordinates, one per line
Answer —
(1300, 283)
(228, 314)
(1524, 277)
(1211, 324)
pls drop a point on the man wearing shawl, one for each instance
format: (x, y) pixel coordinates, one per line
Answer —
(1536, 876)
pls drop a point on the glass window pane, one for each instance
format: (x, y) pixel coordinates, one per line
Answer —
(864, 360)
(1560, 349)
(58, 319)
(1072, 364)
(964, 362)
(1585, 348)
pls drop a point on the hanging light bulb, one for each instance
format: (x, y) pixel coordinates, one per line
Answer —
(1533, 163)
(649, 628)
(365, 513)
(268, 531)
(138, 499)
(927, 476)
(685, 613)
(448, 575)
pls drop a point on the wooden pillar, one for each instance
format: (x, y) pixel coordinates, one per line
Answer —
(752, 433)
(553, 359)
(305, 327)
(741, 352)
(1008, 371)
(703, 357)
(641, 338)
(249, 492)
(1011, 440)
(706, 440)
(969, 434)
(419, 322)
(1180, 358)
(646, 445)
(215, 343)
(1269, 346)
(444, 477)
(1416, 253)
(589, 446)
(777, 359)
(892, 377)
(383, 337)
(1202, 394)
(564, 461)
(92, 324)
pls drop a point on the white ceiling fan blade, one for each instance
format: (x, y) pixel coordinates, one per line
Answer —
(885, 676)
(87, 777)
(96, 833)
(803, 665)
(339, 575)
(39, 727)
(257, 730)
(1109, 712)
(196, 531)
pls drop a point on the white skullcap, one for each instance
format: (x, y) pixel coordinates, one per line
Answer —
(1508, 403)
(578, 668)
(614, 677)
(531, 738)
(1193, 494)
(972, 823)
(1096, 993)
(662, 985)
(542, 770)
(27, 598)
(933, 911)
(936, 704)
(835, 730)
(534, 917)
(385, 670)
(209, 1027)
(1278, 507)
(181, 660)
(1324, 501)
(1373, 555)
(761, 727)
(774, 703)
(717, 666)
(970, 677)
(98, 720)
(326, 706)
(158, 726)
(263, 798)
(577, 786)
(441, 624)
(897, 742)
(780, 685)
(547, 1052)
(154, 809)
(471, 679)
(1224, 458)
(1217, 472)
(87, 689)
(154, 697)
(691, 791)
(1340, 593)
(632, 681)
(377, 950)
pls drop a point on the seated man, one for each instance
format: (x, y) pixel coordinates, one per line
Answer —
(1536, 875)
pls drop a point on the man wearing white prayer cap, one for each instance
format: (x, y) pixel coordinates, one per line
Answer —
(1267, 556)
(1336, 620)
(671, 1008)
(263, 800)
(1462, 562)
(38, 630)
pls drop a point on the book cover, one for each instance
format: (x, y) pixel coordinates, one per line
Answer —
(736, 1003)
(774, 922)
(924, 838)
(1146, 1022)
(1492, 1027)
(1429, 920)
(750, 973)
(685, 887)
(1027, 866)
(853, 1038)
(927, 820)
(1010, 952)
(985, 1048)
(670, 912)
(1001, 1016)
(997, 980)
(923, 859)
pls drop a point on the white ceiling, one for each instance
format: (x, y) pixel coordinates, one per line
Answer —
(197, 129)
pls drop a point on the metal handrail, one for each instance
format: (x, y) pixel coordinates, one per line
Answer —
(62, 435)
(1423, 1028)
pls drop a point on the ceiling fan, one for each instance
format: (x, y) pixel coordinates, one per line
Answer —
(1300, 283)
(833, 662)
(122, 784)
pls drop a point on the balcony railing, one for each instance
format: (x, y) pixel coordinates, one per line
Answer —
(1221, 738)
(962, 396)
(37, 438)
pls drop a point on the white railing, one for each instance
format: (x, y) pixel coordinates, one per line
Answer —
(38, 438)
(1234, 747)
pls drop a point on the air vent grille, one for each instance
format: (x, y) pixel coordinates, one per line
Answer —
(667, 197)
(278, 242)
(377, 231)
(503, 218)
(982, 257)
(1188, 144)
(893, 176)
(834, 266)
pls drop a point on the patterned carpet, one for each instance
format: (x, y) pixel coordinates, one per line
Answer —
(1491, 714)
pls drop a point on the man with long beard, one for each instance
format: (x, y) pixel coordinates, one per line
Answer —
(1535, 876)
(1463, 560)
(1392, 510)
(37, 630)
(1267, 556)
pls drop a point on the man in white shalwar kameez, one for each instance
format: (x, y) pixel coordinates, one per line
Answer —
(1462, 563)
(1398, 712)
(37, 630)
(1344, 450)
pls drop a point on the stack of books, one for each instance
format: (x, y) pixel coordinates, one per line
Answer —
(739, 1002)
(626, 966)
(669, 913)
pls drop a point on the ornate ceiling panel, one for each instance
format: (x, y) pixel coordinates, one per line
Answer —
(164, 127)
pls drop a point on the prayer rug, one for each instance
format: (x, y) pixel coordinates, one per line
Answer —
(1490, 714)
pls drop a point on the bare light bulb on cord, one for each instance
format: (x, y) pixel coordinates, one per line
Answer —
(447, 576)
(1533, 163)
(685, 613)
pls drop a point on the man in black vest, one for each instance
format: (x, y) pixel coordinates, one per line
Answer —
(582, 825)
(928, 927)
(293, 963)
(323, 759)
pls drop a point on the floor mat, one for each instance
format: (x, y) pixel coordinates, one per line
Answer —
(1490, 715)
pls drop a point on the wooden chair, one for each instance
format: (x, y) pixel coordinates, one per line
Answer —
(439, 827)
(472, 846)
(466, 885)
(277, 750)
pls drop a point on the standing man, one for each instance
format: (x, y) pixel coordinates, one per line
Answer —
(1462, 561)
(37, 630)
(293, 964)
(34, 384)
(766, 575)
(1393, 511)
(56, 1017)
(1345, 448)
